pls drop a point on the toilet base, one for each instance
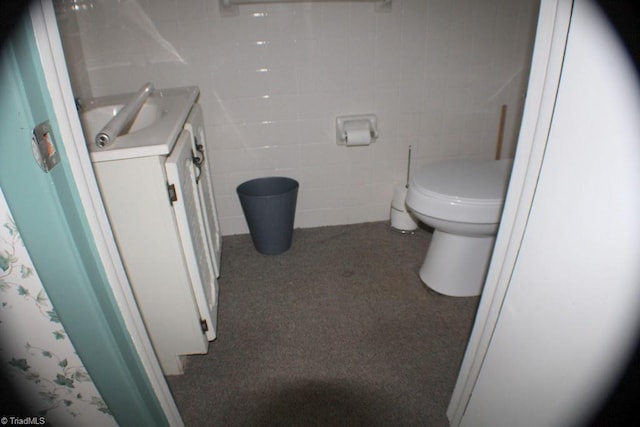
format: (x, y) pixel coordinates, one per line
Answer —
(457, 265)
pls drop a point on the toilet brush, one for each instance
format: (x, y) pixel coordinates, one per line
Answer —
(401, 219)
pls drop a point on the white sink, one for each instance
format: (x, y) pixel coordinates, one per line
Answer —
(93, 120)
(153, 131)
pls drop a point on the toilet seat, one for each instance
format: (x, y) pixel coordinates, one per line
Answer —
(461, 190)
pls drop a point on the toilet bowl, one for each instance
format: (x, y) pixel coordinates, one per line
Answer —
(462, 200)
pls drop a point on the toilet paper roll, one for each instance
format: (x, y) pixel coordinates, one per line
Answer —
(358, 136)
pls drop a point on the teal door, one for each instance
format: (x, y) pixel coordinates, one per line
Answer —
(53, 226)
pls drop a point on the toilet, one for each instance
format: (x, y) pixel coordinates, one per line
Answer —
(462, 200)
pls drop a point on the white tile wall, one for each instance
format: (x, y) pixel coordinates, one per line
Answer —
(274, 78)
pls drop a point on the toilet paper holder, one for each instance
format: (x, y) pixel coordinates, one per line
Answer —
(355, 122)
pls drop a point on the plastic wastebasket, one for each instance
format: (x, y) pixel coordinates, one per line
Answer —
(269, 206)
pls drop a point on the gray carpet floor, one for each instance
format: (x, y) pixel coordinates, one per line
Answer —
(337, 331)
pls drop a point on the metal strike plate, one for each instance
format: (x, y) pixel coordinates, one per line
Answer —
(43, 146)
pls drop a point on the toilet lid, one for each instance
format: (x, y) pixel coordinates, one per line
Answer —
(474, 180)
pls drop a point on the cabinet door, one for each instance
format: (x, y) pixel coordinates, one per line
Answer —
(181, 173)
(194, 125)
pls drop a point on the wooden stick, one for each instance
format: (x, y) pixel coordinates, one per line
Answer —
(503, 116)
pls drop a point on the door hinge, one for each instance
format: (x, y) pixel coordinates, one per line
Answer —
(173, 194)
(204, 325)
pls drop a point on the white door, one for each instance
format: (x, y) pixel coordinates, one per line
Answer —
(181, 174)
(571, 315)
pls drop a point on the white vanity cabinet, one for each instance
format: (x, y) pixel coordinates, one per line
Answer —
(163, 216)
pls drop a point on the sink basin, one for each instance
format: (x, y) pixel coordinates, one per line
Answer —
(153, 131)
(93, 120)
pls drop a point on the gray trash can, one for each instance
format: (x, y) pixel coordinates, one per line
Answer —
(269, 206)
